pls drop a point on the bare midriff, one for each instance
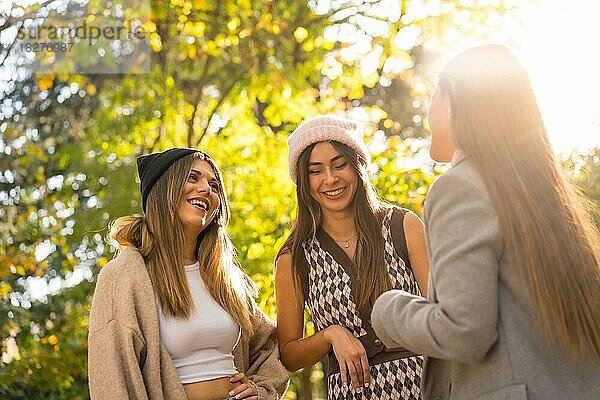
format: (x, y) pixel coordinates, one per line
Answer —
(214, 389)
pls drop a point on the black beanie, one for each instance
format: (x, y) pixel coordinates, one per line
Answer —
(152, 166)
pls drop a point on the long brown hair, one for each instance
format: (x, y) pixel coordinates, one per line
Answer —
(544, 218)
(158, 236)
(367, 219)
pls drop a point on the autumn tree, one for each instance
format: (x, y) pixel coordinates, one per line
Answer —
(231, 77)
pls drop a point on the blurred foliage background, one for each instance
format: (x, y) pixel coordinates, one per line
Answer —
(234, 78)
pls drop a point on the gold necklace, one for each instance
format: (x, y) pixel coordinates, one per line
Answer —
(345, 243)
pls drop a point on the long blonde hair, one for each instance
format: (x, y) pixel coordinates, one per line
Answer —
(496, 122)
(158, 236)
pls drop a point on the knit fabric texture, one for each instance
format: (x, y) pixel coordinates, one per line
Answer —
(325, 128)
(152, 166)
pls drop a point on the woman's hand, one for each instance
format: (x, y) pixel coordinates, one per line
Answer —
(351, 356)
(246, 389)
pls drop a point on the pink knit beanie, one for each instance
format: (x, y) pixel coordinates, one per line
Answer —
(325, 128)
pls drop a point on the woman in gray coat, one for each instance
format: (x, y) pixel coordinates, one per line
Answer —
(513, 310)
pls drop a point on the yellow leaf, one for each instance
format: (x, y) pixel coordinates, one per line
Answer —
(356, 93)
(210, 47)
(90, 89)
(256, 250)
(233, 24)
(199, 29)
(155, 42)
(220, 40)
(308, 46)
(245, 33)
(45, 82)
(377, 114)
(300, 34)
(5, 289)
(287, 91)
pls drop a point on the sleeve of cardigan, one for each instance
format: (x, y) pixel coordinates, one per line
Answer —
(265, 369)
(114, 351)
(464, 241)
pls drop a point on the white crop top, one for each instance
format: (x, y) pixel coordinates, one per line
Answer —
(200, 346)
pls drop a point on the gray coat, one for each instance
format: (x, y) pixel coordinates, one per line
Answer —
(477, 328)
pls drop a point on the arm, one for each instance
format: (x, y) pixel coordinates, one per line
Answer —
(414, 232)
(114, 351)
(464, 245)
(298, 351)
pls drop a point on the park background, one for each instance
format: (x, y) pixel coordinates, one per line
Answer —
(234, 78)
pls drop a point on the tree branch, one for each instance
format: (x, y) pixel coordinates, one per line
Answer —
(10, 47)
(198, 88)
(190, 124)
(224, 95)
(28, 14)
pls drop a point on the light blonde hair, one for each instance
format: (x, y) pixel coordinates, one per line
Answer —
(496, 122)
(158, 235)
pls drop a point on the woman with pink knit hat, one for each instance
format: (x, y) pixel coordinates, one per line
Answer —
(345, 249)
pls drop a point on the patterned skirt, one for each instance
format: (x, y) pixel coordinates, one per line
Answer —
(392, 380)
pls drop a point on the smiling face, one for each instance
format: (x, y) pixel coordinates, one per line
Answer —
(331, 178)
(200, 200)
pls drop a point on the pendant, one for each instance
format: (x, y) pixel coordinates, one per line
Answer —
(347, 244)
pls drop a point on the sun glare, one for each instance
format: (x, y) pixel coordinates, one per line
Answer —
(559, 50)
(557, 43)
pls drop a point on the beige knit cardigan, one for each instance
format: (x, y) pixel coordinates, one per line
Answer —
(127, 360)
